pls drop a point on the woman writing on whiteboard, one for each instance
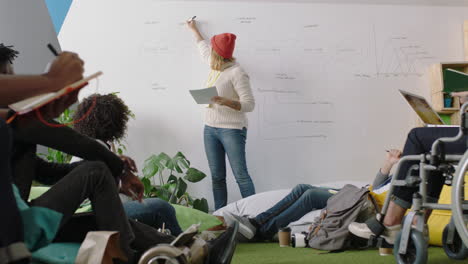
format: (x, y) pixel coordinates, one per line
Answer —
(225, 129)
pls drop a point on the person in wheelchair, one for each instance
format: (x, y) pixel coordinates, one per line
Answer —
(419, 141)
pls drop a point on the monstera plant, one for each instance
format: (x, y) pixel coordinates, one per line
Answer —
(173, 173)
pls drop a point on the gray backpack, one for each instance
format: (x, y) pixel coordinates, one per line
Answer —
(330, 230)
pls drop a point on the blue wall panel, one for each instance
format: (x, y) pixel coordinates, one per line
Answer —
(58, 10)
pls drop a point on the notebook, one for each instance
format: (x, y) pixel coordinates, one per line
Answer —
(424, 110)
(455, 81)
(32, 103)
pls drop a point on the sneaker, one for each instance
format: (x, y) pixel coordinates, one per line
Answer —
(245, 227)
(362, 230)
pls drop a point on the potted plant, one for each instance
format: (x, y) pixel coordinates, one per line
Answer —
(448, 100)
(172, 172)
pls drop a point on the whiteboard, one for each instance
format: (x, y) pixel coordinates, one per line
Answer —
(325, 78)
(27, 26)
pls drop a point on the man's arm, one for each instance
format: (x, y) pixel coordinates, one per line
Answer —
(49, 173)
(392, 157)
(66, 69)
(67, 140)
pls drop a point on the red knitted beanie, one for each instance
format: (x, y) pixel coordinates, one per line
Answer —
(224, 44)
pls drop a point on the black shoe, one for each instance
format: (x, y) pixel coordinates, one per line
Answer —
(222, 248)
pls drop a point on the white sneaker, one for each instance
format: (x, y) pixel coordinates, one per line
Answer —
(245, 227)
(362, 230)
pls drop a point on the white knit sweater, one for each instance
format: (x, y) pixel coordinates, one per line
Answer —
(233, 83)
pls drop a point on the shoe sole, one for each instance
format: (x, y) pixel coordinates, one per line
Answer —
(367, 235)
(358, 232)
(243, 229)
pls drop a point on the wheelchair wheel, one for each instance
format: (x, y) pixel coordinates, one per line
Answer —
(459, 199)
(163, 254)
(416, 253)
(456, 250)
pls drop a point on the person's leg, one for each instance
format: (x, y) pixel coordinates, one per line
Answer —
(91, 180)
(283, 204)
(12, 247)
(234, 143)
(154, 212)
(420, 141)
(217, 162)
(147, 237)
(302, 199)
(314, 198)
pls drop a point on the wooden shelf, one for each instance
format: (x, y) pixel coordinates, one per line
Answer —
(437, 89)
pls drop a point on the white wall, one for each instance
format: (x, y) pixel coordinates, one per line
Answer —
(26, 25)
(325, 78)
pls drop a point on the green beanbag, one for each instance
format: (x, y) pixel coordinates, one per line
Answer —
(188, 216)
(185, 216)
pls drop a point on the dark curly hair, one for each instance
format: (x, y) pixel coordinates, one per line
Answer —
(7, 56)
(107, 121)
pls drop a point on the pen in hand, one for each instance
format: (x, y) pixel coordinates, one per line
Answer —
(52, 49)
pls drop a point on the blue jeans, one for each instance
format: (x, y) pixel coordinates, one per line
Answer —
(154, 212)
(300, 201)
(218, 143)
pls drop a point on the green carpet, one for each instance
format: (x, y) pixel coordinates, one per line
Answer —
(266, 253)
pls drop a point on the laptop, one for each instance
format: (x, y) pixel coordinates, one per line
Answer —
(424, 110)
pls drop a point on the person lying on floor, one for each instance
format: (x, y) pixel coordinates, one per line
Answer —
(108, 124)
(301, 200)
(419, 141)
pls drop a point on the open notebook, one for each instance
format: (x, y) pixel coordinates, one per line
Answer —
(32, 103)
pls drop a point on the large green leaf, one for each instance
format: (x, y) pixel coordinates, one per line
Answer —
(178, 163)
(172, 188)
(201, 204)
(151, 166)
(181, 188)
(172, 179)
(164, 159)
(154, 164)
(147, 184)
(194, 175)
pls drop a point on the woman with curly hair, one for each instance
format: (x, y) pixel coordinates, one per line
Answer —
(107, 123)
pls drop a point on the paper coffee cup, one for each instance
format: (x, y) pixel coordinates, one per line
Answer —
(284, 237)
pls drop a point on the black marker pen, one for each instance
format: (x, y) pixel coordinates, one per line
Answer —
(52, 49)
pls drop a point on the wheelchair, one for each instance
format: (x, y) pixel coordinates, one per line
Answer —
(411, 245)
(188, 249)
